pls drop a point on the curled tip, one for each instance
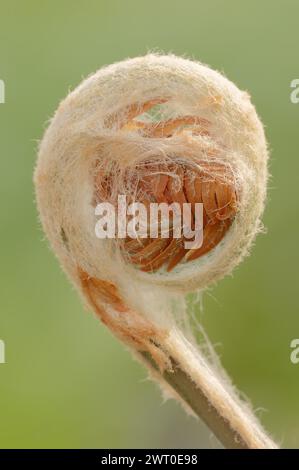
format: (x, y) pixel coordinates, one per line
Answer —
(157, 129)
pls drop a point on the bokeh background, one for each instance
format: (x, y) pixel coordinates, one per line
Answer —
(67, 382)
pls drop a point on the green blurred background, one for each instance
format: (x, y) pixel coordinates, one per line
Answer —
(67, 382)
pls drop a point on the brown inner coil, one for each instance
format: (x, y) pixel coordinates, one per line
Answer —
(205, 181)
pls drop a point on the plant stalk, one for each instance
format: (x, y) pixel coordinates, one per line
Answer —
(214, 401)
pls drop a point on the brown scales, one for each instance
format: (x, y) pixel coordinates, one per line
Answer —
(126, 324)
(205, 181)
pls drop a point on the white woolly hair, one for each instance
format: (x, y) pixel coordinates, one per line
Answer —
(78, 136)
(147, 310)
